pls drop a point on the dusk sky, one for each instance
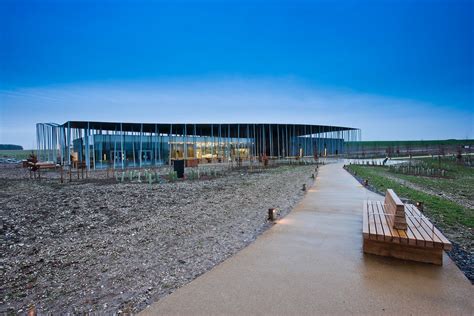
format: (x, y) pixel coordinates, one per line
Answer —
(398, 70)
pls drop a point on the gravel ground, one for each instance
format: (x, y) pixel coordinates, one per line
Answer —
(106, 247)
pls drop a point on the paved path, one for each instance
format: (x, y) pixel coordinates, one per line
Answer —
(311, 262)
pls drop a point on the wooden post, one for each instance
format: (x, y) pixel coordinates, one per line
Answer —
(272, 214)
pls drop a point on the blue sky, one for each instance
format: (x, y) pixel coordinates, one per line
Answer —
(396, 69)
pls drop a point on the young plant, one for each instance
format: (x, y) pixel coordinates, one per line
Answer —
(173, 176)
(150, 180)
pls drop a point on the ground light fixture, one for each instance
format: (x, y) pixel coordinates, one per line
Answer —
(420, 205)
(272, 214)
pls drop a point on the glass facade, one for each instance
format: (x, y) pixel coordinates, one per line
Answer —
(125, 145)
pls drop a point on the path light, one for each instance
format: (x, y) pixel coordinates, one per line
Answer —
(272, 214)
(366, 182)
(420, 205)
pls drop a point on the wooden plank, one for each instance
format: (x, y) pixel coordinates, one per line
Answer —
(421, 239)
(383, 220)
(439, 239)
(365, 221)
(411, 238)
(412, 230)
(403, 236)
(430, 226)
(424, 226)
(378, 224)
(415, 224)
(406, 252)
(372, 229)
(395, 207)
(393, 231)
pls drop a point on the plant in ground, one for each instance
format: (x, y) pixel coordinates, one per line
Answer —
(172, 176)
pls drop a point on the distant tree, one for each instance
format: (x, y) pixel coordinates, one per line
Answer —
(10, 147)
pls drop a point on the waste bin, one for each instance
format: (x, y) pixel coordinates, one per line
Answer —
(179, 168)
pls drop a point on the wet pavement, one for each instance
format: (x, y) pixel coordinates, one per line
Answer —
(311, 262)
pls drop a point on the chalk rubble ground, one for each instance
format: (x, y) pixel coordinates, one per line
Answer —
(108, 247)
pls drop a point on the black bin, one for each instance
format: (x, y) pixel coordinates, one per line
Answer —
(179, 168)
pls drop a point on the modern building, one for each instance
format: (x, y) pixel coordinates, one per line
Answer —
(121, 145)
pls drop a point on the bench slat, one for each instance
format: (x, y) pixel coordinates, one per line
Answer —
(425, 227)
(393, 231)
(372, 229)
(395, 207)
(403, 236)
(365, 221)
(417, 223)
(378, 222)
(438, 238)
(383, 220)
(420, 240)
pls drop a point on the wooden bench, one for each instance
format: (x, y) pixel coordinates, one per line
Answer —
(36, 167)
(419, 241)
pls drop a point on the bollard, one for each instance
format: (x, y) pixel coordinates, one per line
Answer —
(304, 187)
(272, 214)
(420, 206)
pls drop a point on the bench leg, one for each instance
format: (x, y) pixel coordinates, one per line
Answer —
(403, 251)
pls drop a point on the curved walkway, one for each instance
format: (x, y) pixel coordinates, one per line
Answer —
(311, 262)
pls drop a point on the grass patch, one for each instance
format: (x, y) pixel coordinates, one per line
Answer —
(16, 154)
(445, 213)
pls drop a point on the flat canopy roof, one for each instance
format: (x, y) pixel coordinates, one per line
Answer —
(204, 129)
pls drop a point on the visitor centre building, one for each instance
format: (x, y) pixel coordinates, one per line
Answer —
(99, 145)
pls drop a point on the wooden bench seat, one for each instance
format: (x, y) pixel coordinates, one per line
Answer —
(420, 241)
(43, 165)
